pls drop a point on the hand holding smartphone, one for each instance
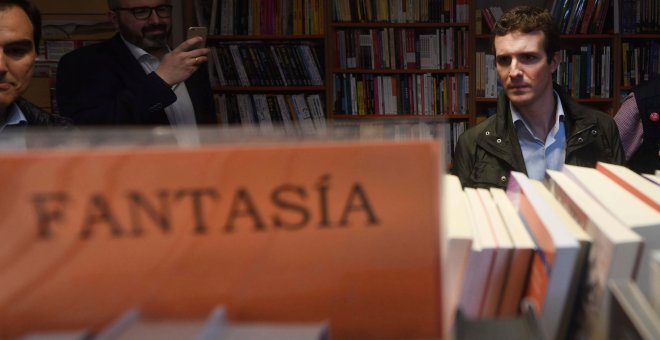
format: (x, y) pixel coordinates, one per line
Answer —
(197, 31)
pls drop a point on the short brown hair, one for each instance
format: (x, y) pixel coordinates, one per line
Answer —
(33, 14)
(527, 19)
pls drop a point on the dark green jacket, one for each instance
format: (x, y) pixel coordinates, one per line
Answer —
(488, 152)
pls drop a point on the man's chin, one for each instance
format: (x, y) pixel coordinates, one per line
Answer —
(519, 100)
(515, 94)
(156, 36)
(6, 99)
(153, 44)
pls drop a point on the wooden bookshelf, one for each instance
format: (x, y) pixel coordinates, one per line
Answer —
(282, 53)
(386, 43)
(380, 69)
(357, 17)
(572, 41)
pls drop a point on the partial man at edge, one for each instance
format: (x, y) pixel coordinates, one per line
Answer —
(134, 78)
(537, 125)
(20, 32)
(638, 120)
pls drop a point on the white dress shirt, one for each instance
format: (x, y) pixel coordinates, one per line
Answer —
(179, 113)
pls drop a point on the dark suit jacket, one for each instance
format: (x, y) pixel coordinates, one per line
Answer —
(103, 84)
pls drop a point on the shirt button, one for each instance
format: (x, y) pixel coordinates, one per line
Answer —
(487, 133)
(499, 140)
(503, 179)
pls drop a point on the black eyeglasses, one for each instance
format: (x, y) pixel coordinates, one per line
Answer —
(141, 13)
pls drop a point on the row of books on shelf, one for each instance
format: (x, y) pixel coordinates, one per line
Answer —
(487, 82)
(598, 16)
(400, 11)
(261, 17)
(639, 16)
(555, 245)
(258, 64)
(134, 324)
(296, 111)
(403, 94)
(584, 16)
(390, 48)
(53, 50)
(451, 131)
(76, 29)
(587, 72)
(640, 62)
(489, 15)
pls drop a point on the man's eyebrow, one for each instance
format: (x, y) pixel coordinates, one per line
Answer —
(20, 43)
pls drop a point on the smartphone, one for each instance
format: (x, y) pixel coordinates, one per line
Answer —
(198, 31)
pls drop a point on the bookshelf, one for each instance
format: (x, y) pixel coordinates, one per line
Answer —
(639, 57)
(631, 47)
(391, 61)
(321, 24)
(267, 61)
(376, 64)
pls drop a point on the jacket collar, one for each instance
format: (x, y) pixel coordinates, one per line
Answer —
(576, 117)
(125, 57)
(581, 127)
(500, 139)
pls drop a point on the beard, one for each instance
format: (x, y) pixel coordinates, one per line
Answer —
(151, 38)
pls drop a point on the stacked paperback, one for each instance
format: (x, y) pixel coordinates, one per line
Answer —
(578, 249)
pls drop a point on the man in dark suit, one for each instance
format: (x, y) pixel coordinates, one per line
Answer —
(639, 125)
(135, 78)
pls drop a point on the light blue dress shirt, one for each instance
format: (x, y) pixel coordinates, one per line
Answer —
(16, 121)
(541, 154)
(15, 117)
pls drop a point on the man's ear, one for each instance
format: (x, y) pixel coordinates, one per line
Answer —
(114, 19)
(555, 61)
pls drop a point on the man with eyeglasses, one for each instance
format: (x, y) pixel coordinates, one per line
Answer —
(135, 78)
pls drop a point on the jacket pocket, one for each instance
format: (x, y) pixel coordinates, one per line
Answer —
(487, 174)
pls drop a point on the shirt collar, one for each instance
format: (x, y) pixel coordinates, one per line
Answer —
(518, 119)
(136, 51)
(15, 117)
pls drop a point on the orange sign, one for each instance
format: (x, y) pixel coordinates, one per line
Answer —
(344, 232)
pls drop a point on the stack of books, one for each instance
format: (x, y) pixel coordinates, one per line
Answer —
(575, 248)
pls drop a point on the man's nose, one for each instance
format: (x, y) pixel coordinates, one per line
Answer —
(514, 69)
(153, 17)
(3, 62)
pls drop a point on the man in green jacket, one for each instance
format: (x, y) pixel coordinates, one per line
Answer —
(537, 126)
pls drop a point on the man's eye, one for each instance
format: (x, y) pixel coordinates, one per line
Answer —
(141, 10)
(503, 60)
(17, 51)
